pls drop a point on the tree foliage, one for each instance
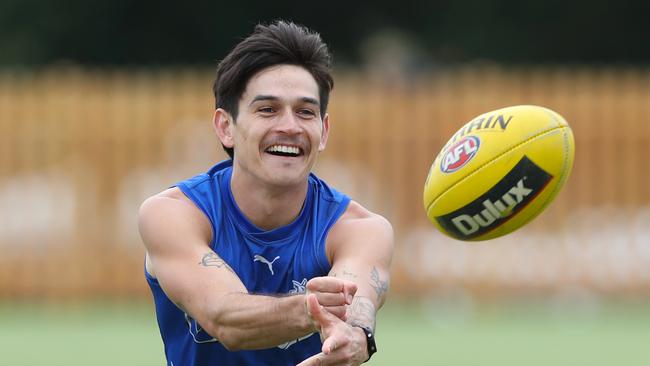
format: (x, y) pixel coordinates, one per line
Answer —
(123, 32)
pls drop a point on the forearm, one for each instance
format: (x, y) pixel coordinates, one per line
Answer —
(362, 312)
(246, 321)
(373, 288)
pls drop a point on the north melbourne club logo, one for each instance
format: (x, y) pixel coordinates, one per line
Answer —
(197, 332)
(299, 287)
(259, 258)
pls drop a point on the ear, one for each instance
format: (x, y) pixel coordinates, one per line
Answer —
(223, 125)
(325, 132)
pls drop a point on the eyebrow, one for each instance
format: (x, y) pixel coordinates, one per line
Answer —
(274, 98)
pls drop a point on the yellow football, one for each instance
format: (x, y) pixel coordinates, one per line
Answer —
(498, 172)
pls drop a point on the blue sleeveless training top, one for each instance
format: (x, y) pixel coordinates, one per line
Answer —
(279, 261)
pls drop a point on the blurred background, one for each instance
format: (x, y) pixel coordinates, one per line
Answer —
(103, 104)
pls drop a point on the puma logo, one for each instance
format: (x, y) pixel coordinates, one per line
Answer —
(259, 258)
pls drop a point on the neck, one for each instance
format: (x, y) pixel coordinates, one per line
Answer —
(267, 207)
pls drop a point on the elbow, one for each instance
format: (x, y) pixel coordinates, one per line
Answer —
(226, 336)
(230, 341)
(231, 347)
(226, 329)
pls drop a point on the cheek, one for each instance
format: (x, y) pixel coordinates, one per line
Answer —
(242, 136)
(319, 141)
(316, 133)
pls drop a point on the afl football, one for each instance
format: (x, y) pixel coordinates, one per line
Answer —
(498, 172)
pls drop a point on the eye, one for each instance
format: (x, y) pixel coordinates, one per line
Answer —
(306, 112)
(266, 110)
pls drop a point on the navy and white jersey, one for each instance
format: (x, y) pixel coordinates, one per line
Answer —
(278, 261)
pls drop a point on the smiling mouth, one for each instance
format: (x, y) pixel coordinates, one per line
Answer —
(284, 150)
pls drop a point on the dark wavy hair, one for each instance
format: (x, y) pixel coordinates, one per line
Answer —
(277, 43)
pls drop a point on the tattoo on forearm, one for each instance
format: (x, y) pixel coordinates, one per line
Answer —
(211, 259)
(381, 287)
(362, 312)
(344, 274)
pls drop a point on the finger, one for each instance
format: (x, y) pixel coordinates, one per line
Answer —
(326, 284)
(349, 291)
(333, 285)
(338, 311)
(331, 344)
(314, 360)
(329, 284)
(330, 299)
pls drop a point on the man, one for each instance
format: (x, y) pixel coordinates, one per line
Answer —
(250, 260)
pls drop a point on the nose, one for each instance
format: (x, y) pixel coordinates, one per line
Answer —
(288, 123)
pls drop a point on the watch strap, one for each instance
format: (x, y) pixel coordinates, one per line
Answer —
(370, 341)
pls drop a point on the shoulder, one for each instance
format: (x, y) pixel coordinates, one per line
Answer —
(172, 197)
(356, 214)
(169, 213)
(360, 229)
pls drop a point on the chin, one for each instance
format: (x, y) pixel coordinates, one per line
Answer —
(286, 180)
(287, 173)
(287, 176)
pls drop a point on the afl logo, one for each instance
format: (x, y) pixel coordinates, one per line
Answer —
(459, 154)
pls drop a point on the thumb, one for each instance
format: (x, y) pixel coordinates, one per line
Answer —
(317, 312)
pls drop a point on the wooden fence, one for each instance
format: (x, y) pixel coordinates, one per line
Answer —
(81, 149)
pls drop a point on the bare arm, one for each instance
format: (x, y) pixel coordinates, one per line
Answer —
(360, 246)
(176, 236)
(362, 253)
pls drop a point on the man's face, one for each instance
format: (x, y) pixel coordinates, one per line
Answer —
(279, 131)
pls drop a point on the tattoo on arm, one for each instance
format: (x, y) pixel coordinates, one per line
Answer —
(344, 274)
(211, 259)
(381, 287)
(362, 312)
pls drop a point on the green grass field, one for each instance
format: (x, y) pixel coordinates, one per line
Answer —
(454, 334)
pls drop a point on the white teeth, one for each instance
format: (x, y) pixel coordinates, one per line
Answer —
(284, 149)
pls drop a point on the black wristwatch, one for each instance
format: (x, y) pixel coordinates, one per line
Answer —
(370, 341)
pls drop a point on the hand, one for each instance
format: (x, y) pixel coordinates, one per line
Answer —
(333, 294)
(343, 344)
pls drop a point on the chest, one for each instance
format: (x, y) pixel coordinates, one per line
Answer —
(280, 266)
